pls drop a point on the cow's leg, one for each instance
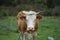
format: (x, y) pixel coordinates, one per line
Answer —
(35, 36)
(22, 36)
(25, 35)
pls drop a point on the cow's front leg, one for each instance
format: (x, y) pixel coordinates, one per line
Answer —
(22, 36)
(35, 36)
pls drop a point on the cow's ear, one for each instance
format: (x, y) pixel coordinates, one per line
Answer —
(39, 17)
(21, 15)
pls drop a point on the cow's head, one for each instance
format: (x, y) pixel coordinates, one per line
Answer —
(31, 18)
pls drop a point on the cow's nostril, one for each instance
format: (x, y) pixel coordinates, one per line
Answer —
(32, 28)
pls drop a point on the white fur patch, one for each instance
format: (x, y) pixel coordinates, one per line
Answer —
(29, 12)
(30, 17)
(30, 21)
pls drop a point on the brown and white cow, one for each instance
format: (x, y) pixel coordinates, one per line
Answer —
(28, 24)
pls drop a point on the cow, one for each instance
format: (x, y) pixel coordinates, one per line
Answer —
(28, 24)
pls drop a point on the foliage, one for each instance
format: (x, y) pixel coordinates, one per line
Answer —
(8, 11)
(57, 2)
(16, 2)
(45, 5)
(4, 12)
(20, 7)
(56, 11)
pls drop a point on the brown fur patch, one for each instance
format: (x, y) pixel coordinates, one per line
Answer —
(21, 21)
(39, 17)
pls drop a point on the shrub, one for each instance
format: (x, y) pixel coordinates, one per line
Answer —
(5, 12)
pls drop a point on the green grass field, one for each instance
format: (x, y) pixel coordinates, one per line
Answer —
(49, 26)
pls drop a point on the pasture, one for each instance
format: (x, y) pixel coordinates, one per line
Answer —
(48, 26)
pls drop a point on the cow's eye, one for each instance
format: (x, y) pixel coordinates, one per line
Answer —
(23, 17)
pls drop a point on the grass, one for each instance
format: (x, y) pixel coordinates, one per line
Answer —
(49, 26)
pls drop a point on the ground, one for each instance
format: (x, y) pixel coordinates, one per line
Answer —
(48, 26)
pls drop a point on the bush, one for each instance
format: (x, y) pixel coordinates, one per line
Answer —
(8, 11)
(5, 12)
(56, 11)
(20, 7)
(46, 12)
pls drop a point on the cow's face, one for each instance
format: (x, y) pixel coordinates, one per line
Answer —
(31, 17)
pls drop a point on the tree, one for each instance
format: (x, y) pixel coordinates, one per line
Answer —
(50, 3)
